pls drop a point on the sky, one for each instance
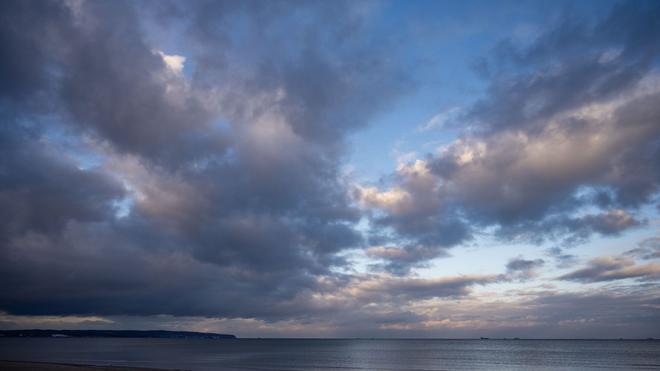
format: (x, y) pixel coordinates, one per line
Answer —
(432, 169)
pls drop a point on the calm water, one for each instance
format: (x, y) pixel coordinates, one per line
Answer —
(253, 354)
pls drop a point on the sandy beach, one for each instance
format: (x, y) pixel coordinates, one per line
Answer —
(25, 366)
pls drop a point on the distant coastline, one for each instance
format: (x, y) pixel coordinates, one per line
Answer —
(159, 334)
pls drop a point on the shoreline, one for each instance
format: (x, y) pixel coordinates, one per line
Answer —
(53, 366)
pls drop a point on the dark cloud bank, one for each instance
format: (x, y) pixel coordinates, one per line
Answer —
(129, 187)
(225, 220)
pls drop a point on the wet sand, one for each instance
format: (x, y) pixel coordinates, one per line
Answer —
(29, 366)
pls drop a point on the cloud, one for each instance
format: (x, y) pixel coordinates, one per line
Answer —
(562, 146)
(562, 260)
(41, 192)
(425, 228)
(537, 312)
(571, 230)
(173, 62)
(611, 222)
(8, 321)
(229, 176)
(136, 191)
(522, 268)
(578, 62)
(420, 289)
(440, 119)
(611, 268)
(648, 249)
(346, 64)
(361, 291)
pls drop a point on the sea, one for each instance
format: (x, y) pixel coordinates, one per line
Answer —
(339, 354)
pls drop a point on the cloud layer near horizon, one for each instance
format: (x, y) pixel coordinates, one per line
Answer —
(140, 184)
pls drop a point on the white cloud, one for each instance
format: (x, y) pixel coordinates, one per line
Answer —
(440, 119)
(173, 62)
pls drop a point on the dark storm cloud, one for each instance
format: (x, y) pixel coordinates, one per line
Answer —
(41, 193)
(564, 127)
(236, 206)
(25, 54)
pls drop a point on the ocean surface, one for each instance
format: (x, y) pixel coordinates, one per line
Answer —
(340, 354)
